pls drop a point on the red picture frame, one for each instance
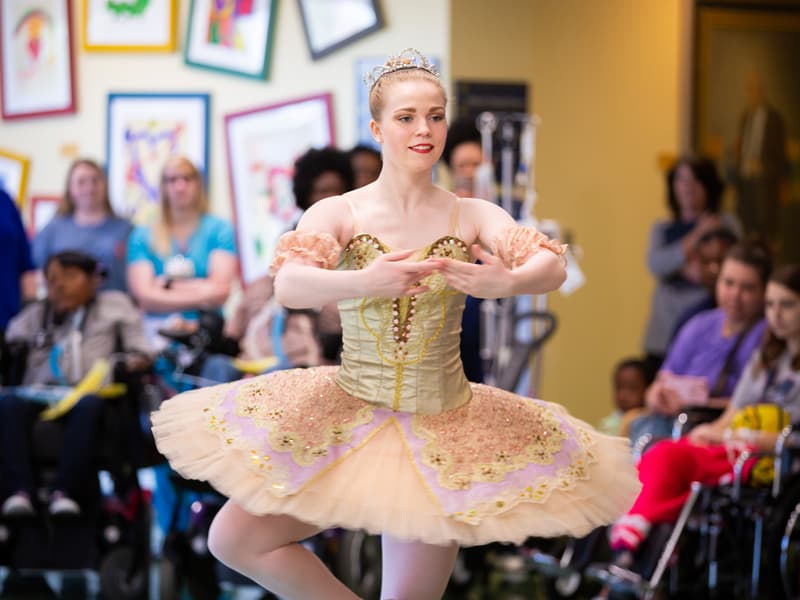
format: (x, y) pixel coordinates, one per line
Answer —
(37, 65)
(43, 208)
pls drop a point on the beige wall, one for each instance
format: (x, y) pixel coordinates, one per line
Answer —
(605, 80)
(51, 142)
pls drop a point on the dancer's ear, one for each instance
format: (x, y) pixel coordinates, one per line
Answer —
(375, 129)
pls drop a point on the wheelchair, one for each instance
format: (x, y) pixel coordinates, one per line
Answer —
(732, 540)
(106, 547)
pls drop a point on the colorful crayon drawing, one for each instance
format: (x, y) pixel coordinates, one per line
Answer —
(223, 20)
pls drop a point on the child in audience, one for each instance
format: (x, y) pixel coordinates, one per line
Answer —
(630, 383)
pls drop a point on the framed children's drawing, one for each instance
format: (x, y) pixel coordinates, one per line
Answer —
(231, 37)
(36, 63)
(262, 145)
(143, 131)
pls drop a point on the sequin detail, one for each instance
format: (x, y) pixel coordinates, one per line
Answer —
(271, 404)
(465, 445)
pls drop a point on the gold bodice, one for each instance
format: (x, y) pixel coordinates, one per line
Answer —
(403, 353)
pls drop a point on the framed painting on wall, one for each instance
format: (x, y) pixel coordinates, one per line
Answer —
(43, 208)
(36, 62)
(263, 144)
(129, 25)
(332, 24)
(747, 114)
(233, 36)
(14, 174)
(143, 131)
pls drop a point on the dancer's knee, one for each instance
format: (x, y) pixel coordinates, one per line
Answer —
(224, 538)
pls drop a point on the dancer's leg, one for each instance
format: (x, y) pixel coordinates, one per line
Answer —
(415, 571)
(265, 549)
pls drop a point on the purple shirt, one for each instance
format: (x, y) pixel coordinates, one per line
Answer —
(700, 350)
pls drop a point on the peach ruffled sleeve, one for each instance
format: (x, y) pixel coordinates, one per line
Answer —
(319, 249)
(516, 244)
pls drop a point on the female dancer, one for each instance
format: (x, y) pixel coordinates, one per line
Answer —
(395, 440)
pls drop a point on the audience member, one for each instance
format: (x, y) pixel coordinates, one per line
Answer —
(17, 275)
(367, 163)
(65, 335)
(770, 384)
(85, 222)
(630, 382)
(694, 193)
(185, 261)
(707, 358)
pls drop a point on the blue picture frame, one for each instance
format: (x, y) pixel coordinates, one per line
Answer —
(163, 124)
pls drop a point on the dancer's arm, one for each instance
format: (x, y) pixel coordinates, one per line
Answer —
(524, 261)
(305, 277)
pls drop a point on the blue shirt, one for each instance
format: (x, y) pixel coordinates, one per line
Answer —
(212, 234)
(15, 258)
(104, 241)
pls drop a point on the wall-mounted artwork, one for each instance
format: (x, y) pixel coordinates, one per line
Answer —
(262, 145)
(36, 53)
(129, 25)
(747, 114)
(332, 24)
(232, 36)
(143, 131)
(43, 208)
(14, 174)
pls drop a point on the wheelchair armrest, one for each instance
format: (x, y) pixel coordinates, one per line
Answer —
(692, 416)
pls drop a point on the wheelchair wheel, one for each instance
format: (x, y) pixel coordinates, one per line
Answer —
(117, 580)
(782, 551)
(358, 563)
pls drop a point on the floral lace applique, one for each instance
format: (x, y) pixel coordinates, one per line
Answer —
(319, 249)
(516, 244)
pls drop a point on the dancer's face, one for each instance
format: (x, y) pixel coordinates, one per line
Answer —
(783, 311)
(412, 126)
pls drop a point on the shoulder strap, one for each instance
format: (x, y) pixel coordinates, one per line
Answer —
(356, 226)
(453, 229)
(730, 359)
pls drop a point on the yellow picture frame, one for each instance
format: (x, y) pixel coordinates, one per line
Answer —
(129, 25)
(14, 175)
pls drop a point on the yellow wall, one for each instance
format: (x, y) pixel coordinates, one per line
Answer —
(606, 81)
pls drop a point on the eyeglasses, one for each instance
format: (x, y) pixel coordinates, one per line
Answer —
(186, 178)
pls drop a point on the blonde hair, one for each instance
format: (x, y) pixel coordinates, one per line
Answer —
(162, 227)
(376, 94)
(66, 206)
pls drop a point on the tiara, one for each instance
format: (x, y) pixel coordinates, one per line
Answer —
(410, 58)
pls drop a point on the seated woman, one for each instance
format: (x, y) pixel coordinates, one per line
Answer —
(711, 350)
(186, 261)
(66, 334)
(85, 222)
(707, 454)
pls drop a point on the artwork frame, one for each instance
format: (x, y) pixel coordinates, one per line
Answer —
(745, 61)
(108, 26)
(14, 174)
(332, 24)
(255, 31)
(262, 144)
(37, 80)
(164, 124)
(43, 208)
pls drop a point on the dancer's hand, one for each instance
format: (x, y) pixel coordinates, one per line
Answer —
(391, 275)
(490, 279)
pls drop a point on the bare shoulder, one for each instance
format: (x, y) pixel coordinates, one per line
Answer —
(485, 219)
(329, 215)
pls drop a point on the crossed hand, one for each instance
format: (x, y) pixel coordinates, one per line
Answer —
(392, 276)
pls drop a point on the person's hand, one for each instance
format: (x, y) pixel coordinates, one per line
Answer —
(137, 363)
(392, 276)
(705, 434)
(490, 279)
(663, 400)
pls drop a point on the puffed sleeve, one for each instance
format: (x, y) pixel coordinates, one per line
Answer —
(319, 249)
(516, 244)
